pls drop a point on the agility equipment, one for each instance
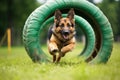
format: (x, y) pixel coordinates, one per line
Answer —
(86, 28)
(95, 25)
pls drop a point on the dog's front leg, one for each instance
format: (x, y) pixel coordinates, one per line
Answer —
(52, 47)
(67, 48)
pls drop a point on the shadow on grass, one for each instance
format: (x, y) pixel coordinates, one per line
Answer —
(69, 63)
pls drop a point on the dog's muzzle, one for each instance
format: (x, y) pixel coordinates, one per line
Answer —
(65, 34)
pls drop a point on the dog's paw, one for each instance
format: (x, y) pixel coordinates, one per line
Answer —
(62, 54)
(55, 50)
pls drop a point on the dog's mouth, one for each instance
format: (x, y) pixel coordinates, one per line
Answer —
(65, 34)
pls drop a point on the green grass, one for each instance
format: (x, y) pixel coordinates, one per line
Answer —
(18, 66)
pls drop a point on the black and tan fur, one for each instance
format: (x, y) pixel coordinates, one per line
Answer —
(61, 38)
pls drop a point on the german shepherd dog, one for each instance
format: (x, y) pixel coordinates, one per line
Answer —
(61, 36)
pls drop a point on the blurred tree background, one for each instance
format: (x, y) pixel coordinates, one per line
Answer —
(13, 14)
(111, 9)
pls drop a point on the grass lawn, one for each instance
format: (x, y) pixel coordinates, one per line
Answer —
(18, 66)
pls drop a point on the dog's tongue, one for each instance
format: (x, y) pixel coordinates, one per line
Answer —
(65, 36)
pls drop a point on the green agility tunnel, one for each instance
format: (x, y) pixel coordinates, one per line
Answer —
(95, 25)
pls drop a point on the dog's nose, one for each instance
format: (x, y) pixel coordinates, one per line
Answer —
(66, 32)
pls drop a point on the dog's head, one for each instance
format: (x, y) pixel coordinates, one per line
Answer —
(65, 27)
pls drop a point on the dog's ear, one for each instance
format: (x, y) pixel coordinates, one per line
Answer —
(58, 15)
(71, 14)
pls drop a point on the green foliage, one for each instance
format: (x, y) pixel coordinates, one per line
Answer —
(18, 66)
(22, 9)
(118, 17)
(19, 11)
(109, 8)
(3, 16)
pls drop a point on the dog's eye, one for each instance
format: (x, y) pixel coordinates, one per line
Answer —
(73, 25)
(62, 25)
(68, 25)
(57, 25)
